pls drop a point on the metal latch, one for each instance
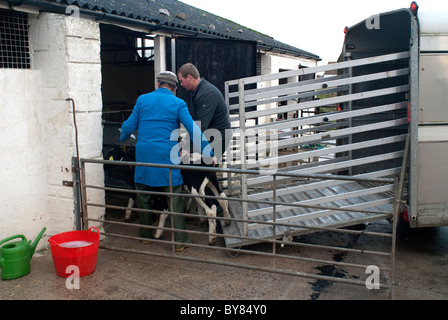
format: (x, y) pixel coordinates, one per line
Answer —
(67, 183)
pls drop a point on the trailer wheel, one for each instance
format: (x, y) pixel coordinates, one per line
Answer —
(233, 254)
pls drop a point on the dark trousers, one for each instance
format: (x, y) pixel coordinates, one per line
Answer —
(144, 202)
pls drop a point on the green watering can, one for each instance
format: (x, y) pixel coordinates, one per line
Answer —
(15, 256)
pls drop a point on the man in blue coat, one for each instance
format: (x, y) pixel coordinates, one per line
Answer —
(157, 117)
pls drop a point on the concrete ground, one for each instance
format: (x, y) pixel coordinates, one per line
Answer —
(421, 273)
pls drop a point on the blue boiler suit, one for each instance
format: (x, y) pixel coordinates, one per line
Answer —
(157, 117)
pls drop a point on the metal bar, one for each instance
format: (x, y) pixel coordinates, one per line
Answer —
(232, 170)
(263, 202)
(329, 67)
(338, 149)
(324, 213)
(394, 233)
(267, 145)
(298, 88)
(320, 207)
(84, 213)
(283, 98)
(171, 205)
(350, 108)
(225, 263)
(228, 159)
(275, 242)
(77, 193)
(414, 110)
(274, 212)
(317, 103)
(331, 167)
(324, 102)
(355, 162)
(321, 184)
(331, 135)
(332, 116)
(404, 167)
(243, 150)
(288, 85)
(267, 223)
(327, 199)
(173, 55)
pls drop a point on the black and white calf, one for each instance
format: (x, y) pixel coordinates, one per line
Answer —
(196, 183)
(121, 176)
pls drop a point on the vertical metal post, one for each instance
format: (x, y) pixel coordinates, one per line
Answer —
(173, 55)
(394, 236)
(76, 192)
(414, 66)
(274, 212)
(243, 152)
(171, 208)
(228, 161)
(84, 213)
(350, 120)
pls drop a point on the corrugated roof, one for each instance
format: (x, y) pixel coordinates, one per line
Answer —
(178, 15)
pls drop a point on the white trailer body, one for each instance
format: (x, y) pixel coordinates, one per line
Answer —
(428, 197)
(426, 34)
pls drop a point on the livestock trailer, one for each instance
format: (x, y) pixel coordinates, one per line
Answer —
(425, 35)
(379, 113)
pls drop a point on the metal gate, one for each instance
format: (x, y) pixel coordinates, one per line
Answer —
(291, 256)
(324, 126)
(311, 172)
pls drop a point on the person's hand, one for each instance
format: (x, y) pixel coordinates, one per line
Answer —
(183, 153)
(215, 161)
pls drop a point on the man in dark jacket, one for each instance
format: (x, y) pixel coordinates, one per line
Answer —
(208, 107)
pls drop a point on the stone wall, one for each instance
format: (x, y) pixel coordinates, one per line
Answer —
(39, 123)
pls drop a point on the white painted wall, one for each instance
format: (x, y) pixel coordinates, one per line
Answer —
(274, 63)
(37, 128)
(22, 165)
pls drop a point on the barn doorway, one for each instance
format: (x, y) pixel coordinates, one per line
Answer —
(127, 65)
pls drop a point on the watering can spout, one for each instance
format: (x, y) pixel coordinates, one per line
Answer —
(36, 241)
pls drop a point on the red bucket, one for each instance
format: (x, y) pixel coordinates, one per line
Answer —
(78, 248)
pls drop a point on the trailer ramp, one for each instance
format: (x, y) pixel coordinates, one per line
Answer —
(317, 151)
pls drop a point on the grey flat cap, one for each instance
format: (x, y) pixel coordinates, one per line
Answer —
(168, 77)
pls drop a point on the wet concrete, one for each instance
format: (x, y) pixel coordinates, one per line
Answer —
(421, 273)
